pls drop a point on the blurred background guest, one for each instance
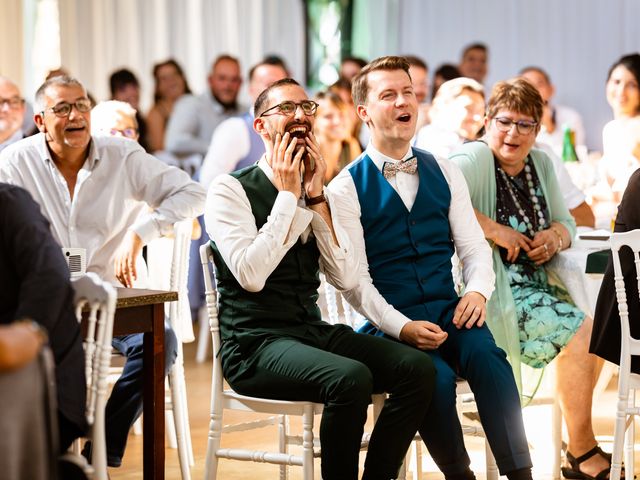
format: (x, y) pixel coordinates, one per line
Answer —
(474, 62)
(350, 66)
(554, 117)
(125, 87)
(194, 118)
(419, 73)
(170, 85)
(444, 73)
(621, 136)
(342, 88)
(12, 113)
(338, 146)
(115, 119)
(457, 115)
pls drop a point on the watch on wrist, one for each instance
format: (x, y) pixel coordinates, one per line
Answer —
(314, 200)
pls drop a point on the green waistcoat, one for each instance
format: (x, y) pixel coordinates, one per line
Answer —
(288, 302)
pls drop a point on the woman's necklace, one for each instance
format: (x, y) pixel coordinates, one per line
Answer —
(539, 221)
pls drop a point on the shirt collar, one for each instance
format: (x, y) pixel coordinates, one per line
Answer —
(90, 162)
(379, 158)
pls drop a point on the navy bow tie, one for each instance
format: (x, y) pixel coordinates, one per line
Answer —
(410, 166)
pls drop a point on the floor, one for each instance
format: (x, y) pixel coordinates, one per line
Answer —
(537, 421)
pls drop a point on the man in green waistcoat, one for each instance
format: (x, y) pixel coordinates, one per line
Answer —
(272, 232)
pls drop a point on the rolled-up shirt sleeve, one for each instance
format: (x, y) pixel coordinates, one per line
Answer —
(251, 254)
(169, 191)
(337, 262)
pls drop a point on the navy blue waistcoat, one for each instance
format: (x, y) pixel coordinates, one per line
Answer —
(409, 252)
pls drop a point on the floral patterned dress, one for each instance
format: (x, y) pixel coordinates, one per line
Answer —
(547, 317)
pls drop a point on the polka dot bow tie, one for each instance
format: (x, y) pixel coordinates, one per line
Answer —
(410, 165)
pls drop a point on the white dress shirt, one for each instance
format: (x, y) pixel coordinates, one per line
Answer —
(230, 143)
(115, 188)
(252, 254)
(470, 244)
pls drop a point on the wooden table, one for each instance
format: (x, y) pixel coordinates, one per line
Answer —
(142, 311)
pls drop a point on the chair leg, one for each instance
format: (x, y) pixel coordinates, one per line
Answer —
(179, 407)
(629, 457)
(417, 457)
(283, 447)
(203, 335)
(556, 438)
(213, 444)
(170, 428)
(307, 443)
(618, 438)
(492, 468)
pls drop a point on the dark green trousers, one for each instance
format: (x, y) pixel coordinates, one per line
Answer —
(335, 366)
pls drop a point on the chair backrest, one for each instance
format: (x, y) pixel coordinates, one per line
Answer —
(164, 275)
(629, 345)
(349, 315)
(211, 299)
(95, 302)
(180, 311)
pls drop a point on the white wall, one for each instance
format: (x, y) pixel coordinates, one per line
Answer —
(576, 41)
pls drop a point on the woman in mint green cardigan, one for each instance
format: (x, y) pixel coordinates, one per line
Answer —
(520, 208)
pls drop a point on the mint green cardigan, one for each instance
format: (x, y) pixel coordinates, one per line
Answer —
(476, 161)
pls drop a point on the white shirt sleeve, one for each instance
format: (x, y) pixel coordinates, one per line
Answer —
(251, 254)
(229, 144)
(169, 191)
(471, 246)
(570, 193)
(365, 297)
(337, 262)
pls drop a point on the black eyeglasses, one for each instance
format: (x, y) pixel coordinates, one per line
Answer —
(309, 107)
(13, 102)
(524, 127)
(63, 109)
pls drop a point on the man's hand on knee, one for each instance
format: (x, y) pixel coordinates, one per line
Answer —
(423, 335)
(471, 310)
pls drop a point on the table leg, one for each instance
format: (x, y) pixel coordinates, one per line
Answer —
(153, 440)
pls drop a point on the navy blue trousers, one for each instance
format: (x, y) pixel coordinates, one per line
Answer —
(125, 402)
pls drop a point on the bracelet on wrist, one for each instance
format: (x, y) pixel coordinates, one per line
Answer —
(314, 200)
(560, 242)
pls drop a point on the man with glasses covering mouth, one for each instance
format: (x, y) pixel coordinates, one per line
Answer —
(105, 195)
(272, 231)
(12, 109)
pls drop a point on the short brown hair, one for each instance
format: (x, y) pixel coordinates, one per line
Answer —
(263, 99)
(360, 85)
(517, 95)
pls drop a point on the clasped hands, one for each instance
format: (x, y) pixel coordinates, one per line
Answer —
(287, 158)
(540, 249)
(424, 335)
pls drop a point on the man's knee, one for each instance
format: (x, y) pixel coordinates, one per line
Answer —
(353, 384)
(416, 366)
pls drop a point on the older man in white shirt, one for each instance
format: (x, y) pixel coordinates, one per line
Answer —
(97, 193)
(405, 212)
(272, 230)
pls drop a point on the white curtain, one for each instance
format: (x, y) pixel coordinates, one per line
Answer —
(575, 41)
(11, 40)
(100, 36)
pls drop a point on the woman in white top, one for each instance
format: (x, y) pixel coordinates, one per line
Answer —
(621, 136)
(457, 113)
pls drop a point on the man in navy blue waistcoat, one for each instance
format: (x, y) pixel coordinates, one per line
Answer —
(406, 212)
